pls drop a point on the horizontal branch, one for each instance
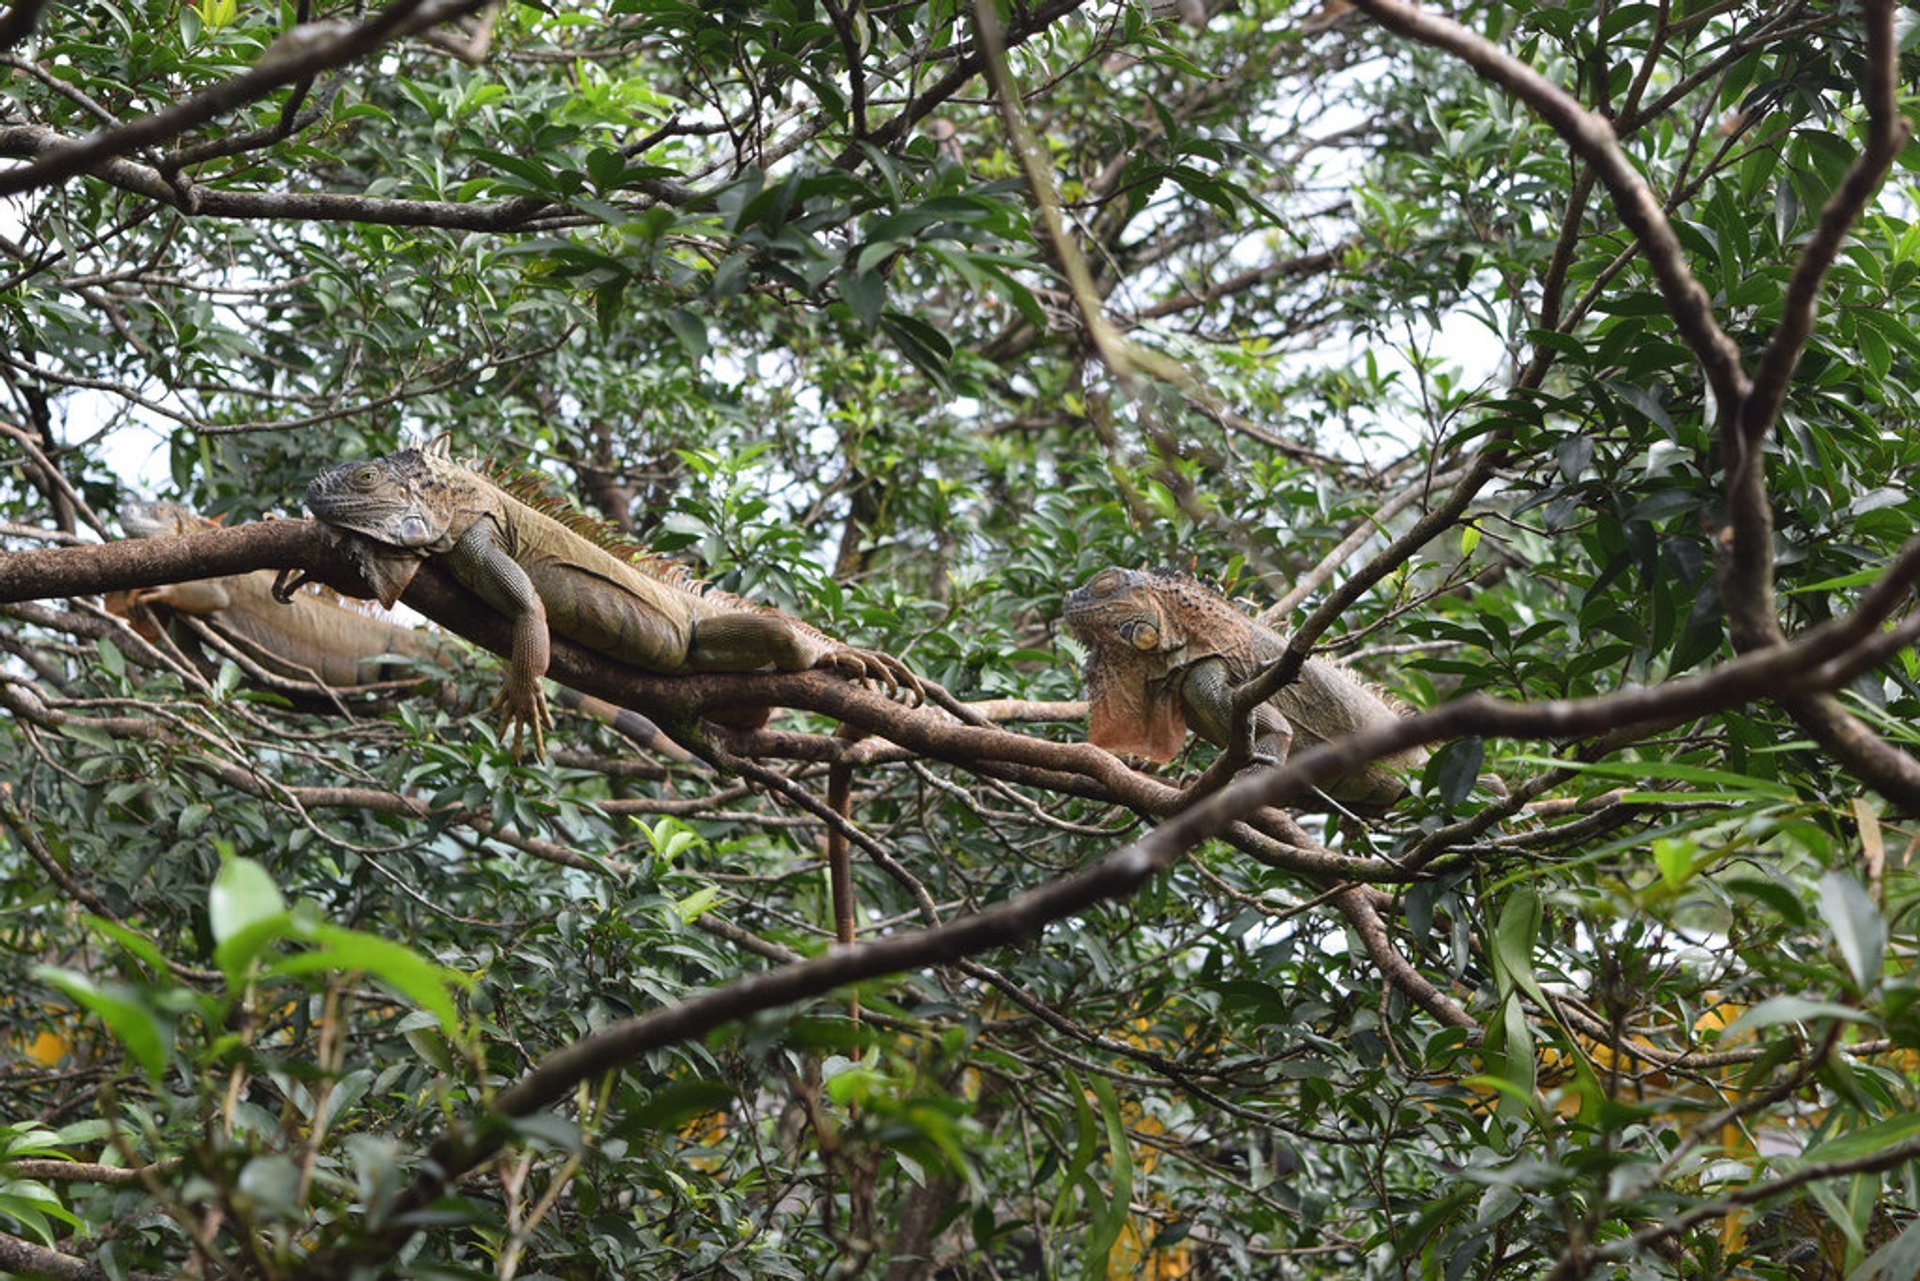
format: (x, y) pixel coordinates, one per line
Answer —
(1077, 768)
(300, 53)
(25, 1259)
(1123, 872)
(23, 141)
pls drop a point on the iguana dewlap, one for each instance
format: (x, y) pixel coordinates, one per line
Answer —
(1164, 653)
(545, 576)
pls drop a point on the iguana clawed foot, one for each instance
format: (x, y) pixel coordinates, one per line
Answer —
(520, 711)
(881, 669)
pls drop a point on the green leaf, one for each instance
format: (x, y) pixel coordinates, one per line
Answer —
(1725, 783)
(1110, 1216)
(243, 895)
(1858, 928)
(607, 300)
(1513, 942)
(427, 985)
(1086, 1145)
(110, 657)
(549, 1130)
(142, 1030)
(866, 293)
(1776, 1010)
(1776, 896)
(226, 680)
(697, 904)
(1866, 1140)
(535, 175)
(673, 1104)
(1455, 768)
(33, 1203)
(238, 951)
(690, 330)
(134, 942)
(919, 342)
(1674, 856)
(269, 1186)
(1519, 1094)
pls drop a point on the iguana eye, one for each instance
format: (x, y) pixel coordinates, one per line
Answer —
(1105, 583)
(364, 477)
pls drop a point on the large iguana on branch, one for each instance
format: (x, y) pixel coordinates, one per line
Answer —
(317, 640)
(542, 571)
(1164, 653)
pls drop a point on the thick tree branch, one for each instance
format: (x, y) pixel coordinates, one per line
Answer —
(1822, 654)
(1123, 873)
(298, 55)
(1747, 409)
(313, 206)
(25, 1259)
(1747, 540)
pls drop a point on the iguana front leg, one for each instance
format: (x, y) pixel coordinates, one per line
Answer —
(1206, 694)
(481, 562)
(745, 640)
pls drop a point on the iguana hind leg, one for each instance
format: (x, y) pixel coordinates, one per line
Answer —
(745, 640)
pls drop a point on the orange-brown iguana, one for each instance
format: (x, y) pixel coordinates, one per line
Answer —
(318, 639)
(544, 574)
(1164, 653)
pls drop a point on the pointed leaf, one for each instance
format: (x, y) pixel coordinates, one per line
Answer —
(1858, 929)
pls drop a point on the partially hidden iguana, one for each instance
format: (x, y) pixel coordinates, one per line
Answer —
(1164, 653)
(547, 575)
(316, 639)
(313, 638)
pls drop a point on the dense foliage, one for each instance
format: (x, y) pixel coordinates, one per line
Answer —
(868, 321)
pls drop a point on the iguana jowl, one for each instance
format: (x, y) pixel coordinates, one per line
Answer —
(1164, 653)
(545, 576)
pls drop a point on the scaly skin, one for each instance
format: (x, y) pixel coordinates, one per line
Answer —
(317, 638)
(545, 577)
(1164, 653)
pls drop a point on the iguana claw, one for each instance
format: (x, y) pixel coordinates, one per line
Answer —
(519, 713)
(882, 669)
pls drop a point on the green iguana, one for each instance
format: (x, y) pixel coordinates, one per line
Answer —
(545, 575)
(1164, 653)
(317, 639)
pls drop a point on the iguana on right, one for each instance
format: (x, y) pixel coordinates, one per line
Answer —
(1164, 653)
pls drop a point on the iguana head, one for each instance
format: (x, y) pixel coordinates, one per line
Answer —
(385, 499)
(396, 510)
(1124, 608)
(1133, 642)
(158, 518)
